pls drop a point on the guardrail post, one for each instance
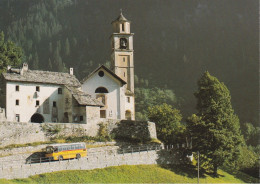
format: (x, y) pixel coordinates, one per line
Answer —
(139, 150)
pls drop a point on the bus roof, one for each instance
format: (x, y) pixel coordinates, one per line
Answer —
(66, 144)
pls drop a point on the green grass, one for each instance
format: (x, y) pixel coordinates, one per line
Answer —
(127, 174)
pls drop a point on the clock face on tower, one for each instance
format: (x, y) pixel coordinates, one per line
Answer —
(123, 43)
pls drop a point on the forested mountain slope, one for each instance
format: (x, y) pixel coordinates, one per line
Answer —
(175, 42)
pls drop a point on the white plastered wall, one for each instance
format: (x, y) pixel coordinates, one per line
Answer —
(27, 100)
(115, 96)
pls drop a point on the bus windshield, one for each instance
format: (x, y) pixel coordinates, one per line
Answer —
(49, 149)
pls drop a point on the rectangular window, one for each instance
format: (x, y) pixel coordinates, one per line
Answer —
(81, 118)
(102, 114)
(38, 88)
(54, 104)
(128, 99)
(59, 90)
(17, 88)
(123, 27)
(16, 102)
(37, 102)
(17, 117)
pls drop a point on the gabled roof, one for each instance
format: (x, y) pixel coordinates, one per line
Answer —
(37, 76)
(83, 98)
(106, 69)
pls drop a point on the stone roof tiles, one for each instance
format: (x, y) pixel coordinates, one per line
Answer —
(46, 77)
(83, 98)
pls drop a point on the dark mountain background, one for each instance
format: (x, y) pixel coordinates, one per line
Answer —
(175, 42)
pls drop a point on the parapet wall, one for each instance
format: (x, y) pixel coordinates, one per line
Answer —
(22, 133)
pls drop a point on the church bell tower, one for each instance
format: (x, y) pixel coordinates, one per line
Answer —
(122, 56)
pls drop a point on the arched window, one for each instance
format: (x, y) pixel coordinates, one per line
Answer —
(123, 43)
(101, 90)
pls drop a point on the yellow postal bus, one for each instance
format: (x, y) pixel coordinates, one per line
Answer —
(66, 151)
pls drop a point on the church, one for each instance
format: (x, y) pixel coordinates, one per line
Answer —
(43, 96)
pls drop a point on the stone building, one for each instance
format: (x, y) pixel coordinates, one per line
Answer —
(43, 96)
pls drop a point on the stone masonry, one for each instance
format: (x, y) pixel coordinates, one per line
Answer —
(22, 133)
(96, 159)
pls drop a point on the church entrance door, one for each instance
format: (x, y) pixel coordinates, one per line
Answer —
(37, 118)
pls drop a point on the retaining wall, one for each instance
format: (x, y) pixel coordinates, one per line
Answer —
(21, 133)
(93, 161)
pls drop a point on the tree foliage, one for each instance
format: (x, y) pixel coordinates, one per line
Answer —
(251, 134)
(215, 128)
(148, 97)
(168, 122)
(10, 54)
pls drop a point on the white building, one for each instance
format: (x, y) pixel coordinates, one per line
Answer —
(42, 96)
(116, 88)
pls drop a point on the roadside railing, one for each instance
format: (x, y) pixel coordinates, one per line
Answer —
(40, 158)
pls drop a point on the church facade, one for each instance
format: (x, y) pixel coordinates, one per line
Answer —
(42, 96)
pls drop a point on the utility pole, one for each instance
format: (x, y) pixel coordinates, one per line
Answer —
(198, 167)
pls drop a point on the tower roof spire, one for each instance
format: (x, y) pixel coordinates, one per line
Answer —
(121, 17)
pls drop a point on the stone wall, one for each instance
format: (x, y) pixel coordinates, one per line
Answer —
(98, 159)
(21, 133)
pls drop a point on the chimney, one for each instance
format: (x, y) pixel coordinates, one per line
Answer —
(9, 67)
(71, 71)
(25, 67)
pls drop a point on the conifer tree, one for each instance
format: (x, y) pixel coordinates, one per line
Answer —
(67, 47)
(10, 54)
(215, 128)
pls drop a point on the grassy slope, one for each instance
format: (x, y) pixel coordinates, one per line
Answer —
(125, 174)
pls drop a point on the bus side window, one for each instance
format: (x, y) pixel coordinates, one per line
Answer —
(73, 147)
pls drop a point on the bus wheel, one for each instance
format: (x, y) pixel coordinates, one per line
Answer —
(78, 156)
(60, 158)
